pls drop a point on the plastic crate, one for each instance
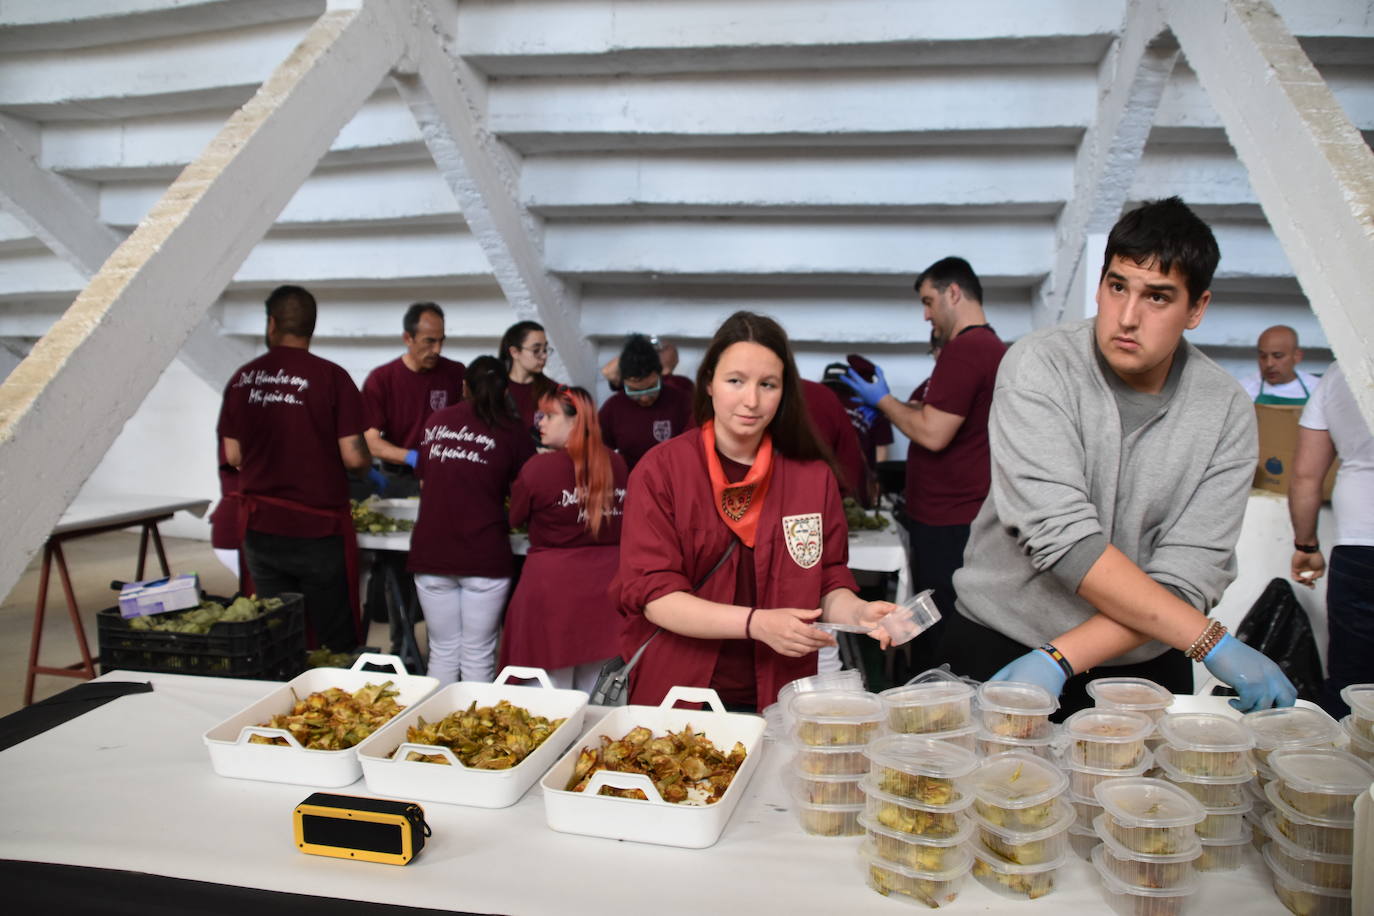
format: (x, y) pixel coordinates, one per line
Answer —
(269, 647)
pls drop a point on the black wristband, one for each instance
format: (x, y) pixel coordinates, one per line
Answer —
(1307, 548)
(1052, 652)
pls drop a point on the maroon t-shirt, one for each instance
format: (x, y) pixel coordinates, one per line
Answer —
(948, 487)
(545, 497)
(871, 433)
(288, 409)
(526, 404)
(681, 383)
(397, 401)
(833, 426)
(466, 468)
(632, 430)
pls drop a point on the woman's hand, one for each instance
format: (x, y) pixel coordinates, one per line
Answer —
(870, 614)
(788, 631)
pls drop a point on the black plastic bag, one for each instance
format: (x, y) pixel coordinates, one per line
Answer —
(1277, 625)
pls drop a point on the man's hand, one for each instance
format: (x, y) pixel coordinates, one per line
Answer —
(1307, 568)
(1258, 682)
(1035, 667)
(869, 392)
(788, 630)
(377, 479)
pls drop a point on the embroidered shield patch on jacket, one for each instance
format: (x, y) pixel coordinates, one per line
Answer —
(438, 399)
(802, 533)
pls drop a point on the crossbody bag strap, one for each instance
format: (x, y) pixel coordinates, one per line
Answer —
(634, 659)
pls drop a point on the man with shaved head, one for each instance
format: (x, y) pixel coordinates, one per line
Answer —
(1279, 380)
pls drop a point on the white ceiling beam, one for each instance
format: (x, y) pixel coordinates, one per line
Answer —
(34, 25)
(1130, 82)
(446, 98)
(63, 406)
(1310, 167)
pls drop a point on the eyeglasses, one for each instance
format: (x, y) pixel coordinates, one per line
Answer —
(540, 350)
(643, 392)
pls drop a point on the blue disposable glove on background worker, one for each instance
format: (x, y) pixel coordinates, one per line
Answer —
(377, 479)
(1258, 681)
(869, 392)
(412, 457)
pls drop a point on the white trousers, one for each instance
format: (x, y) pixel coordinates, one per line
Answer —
(463, 621)
(577, 677)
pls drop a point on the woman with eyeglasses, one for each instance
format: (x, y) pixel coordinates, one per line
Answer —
(560, 618)
(734, 541)
(470, 454)
(524, 351)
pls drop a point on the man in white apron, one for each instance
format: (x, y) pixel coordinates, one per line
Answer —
(1279, 380)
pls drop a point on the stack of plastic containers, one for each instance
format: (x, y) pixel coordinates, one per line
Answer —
(1288, 727)
(1312, 827)
(779, 716)
(917, 797)
(1149, 845)
(1021, 823)
(1014, 717)
(1103, 743)
(1208, 756)
(1131, 693)
(831, 729)
(935, 705)
(1359, 725)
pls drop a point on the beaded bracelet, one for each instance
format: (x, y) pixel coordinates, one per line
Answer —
(1206, 641)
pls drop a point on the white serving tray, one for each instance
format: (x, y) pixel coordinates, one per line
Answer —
(457, 784)
(232, 755)
(655, 820)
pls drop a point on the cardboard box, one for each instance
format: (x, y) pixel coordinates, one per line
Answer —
(1278, 437)
(158, 596)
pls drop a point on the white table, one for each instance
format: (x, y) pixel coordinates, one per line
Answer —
(134, 790)
(883, 550)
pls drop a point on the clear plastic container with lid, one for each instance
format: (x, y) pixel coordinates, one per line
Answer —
(1360, 746)
(1224, 854)
(1137, 900)
(1207, 745)
(989, 744)
(917, 852)
(848, 680)
(824, 790)
(1321, 783)
(831, 718)
(932, 889)
(1224, 823)
(1084, 780)
(1087, 810)
(935, 701)
(1149, 816)
(1133, 693)
(1083, 841)
(1107, 739)
(917, 767)
(1028, 847)
(829, 820)
(1018, 790)
(831, 761)
(1016, 881)
(1335, 838)
(1212, 791)
(1323, 870)
(1010, 709)
(1360, 699)
(911, 816)
(1290, 726)
(1174, 870)
(1302, 897)
(965, 737)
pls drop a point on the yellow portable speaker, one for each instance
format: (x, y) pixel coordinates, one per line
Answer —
(353, 827)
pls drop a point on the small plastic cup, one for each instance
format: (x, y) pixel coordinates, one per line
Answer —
(1028, 847)
(1133, 693)
(1212, 791)
(912, 618)
(1304, 898)
(933, 702)
(1149, 816)
(1224, 854)
(1207, 745)
(1173, 870)
(1018, 791)
(1321, 783)
(1135, 900)
(988, 744)
(1019, 882)
(1334, 838)
(922, 888)
(1360, 699)
(1224, 823)
(1107, 739)
(831, 718)
(910, 816)
(1290, 726)
(1083, 781)
(845, 760)
(917, 852)
(914, 766)
(1323, 870)
(1010, 709)
(1360, 746)
(824, 790)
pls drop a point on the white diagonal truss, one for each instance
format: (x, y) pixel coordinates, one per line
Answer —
(443, 97)
(157, 286)
(1130, 82)
(1311, 169)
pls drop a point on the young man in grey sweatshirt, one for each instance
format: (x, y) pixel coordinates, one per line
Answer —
(1121, 463)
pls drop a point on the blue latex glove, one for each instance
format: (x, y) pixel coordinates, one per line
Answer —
(1035, 667)
(869, 392)
(869, 414)
(413, 457)
(377, 479)
(1259, 682)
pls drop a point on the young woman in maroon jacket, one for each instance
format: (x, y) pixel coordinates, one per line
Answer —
(753, 486)
(561, 618)
(460, 547)
(524, 351)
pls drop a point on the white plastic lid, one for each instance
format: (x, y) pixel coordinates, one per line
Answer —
(848, 679)
(1291, 726)
(1118, 849)
(1271, 828)
(1239, 839)
(1205, 731)
(836, 707)
(921, 755)
(1108, 726)
(963, 858)
(998, 864)
(1242, 808)
(870, 787)
(1147, 760)
(984, 735)
(1016, 699)
(928, 693)
(1018, 780)
(1282, 876)
(1277, 802)
(956, 839)
(1129, 693)
(1064, 816)
(1360, 699)
(1136, 801)
(1115, 885)
(1164, 759)
(1322, 771)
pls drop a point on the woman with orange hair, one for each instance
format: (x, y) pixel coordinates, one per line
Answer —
(572, 498)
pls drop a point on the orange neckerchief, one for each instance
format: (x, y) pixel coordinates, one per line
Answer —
(739, 504)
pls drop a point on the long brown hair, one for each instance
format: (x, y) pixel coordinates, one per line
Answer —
(591, 459)
(791, 428)
(515, 336)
